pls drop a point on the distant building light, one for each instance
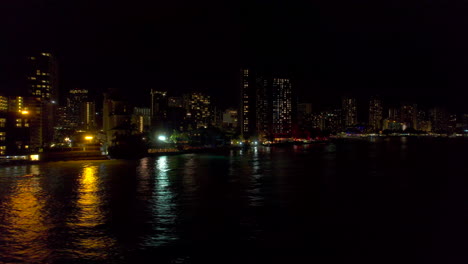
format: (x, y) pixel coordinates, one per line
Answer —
(34, 157)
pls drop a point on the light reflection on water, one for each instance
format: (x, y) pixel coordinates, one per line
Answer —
(163, 206)
(23, 220)
(114, 211)
(89, 217)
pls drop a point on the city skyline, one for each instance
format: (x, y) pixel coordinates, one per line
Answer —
(200, 47)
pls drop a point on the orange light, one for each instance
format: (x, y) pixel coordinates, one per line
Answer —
(89, 138)
(24, 112)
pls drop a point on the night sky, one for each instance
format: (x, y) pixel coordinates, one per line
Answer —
(408, 50)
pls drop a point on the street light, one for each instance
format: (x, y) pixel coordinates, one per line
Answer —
(88, 141)
(162, 138)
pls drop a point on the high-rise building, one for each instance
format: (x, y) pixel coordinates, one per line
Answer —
(3, 104)
(409, 115)
(328, 120)
(88, 116)
(349, 111)
(198, 107)
(424, 123)
(248, 103)
(141, 118)
(117, 115)
(439, 119)
(43, 77)
(264, 114)
(282, 107)
(394, 114)
(375, 113)
(175, 102)
(230, 118)
(75, 100)
(15, 104)
(159, 104)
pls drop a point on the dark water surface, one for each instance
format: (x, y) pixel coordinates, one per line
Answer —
(378, 201)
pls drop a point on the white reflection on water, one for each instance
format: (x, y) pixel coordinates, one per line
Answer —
(93, 243)
(163, 206)
(255, 196)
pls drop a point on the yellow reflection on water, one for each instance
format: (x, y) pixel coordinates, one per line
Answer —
(93, 242)
(25, 221)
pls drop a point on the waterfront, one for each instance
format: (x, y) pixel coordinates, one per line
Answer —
(376, 200)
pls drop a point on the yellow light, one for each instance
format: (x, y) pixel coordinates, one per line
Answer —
(24, 112)
(34, 157)
(89, 138)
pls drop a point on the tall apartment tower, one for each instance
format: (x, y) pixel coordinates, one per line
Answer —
(198, 107)
(75, 100)
(159, 105)
(43, 77)
(282, 107)
(375, 113)
(409, 115)
(349, 110)
(247, 103)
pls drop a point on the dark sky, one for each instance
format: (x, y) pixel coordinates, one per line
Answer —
(413, 50)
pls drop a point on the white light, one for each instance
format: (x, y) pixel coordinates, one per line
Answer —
(162, 138)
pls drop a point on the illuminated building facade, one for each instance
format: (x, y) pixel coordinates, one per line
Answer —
(264, 114)
(248, 103)
(3, 104)
(282, 107)
(75, 102)
(349, 110)
(409, 115)
(439, 119)
(117, 115)
(159, 105)
(88, 116)
(141, 118)
(230, 118)
(330, 121)
(15, 104)
(175, 102)
(43, 77)
(375, 113)
(198, 107)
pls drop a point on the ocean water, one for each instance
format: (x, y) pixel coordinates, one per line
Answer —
(379, 200)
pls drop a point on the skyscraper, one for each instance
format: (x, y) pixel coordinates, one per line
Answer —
(409, 115)
(349, 110)
(439, 119)
(248, 103)
(76, 99)
(42, 77)
(198, 107)
(88, 116)
(159, 104)
(282, 107)
(375, 113)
